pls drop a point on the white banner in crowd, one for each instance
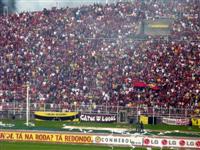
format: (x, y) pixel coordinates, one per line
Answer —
(99, 117)
(173, 121)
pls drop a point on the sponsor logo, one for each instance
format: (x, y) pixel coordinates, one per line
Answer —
(182, 143)
(98, 139)
(147, 141)
(164, 142)
(198, 143)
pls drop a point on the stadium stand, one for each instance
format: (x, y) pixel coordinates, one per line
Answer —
(87, 55)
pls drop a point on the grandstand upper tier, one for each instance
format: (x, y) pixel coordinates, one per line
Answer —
(92, 54)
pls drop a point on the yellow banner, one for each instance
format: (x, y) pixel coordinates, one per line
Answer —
(55, 114)
(158, 26)
(45, 137)
(196, 121)
(144, 119)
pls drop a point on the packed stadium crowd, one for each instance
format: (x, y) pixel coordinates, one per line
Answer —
(89, 55)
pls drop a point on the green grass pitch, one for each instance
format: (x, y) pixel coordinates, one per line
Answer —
(47, 146)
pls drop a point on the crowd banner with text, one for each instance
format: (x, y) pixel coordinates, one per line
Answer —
(175, 121)
(60, 116)
(98, 117)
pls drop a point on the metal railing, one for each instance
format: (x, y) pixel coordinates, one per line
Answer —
(8, 110)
